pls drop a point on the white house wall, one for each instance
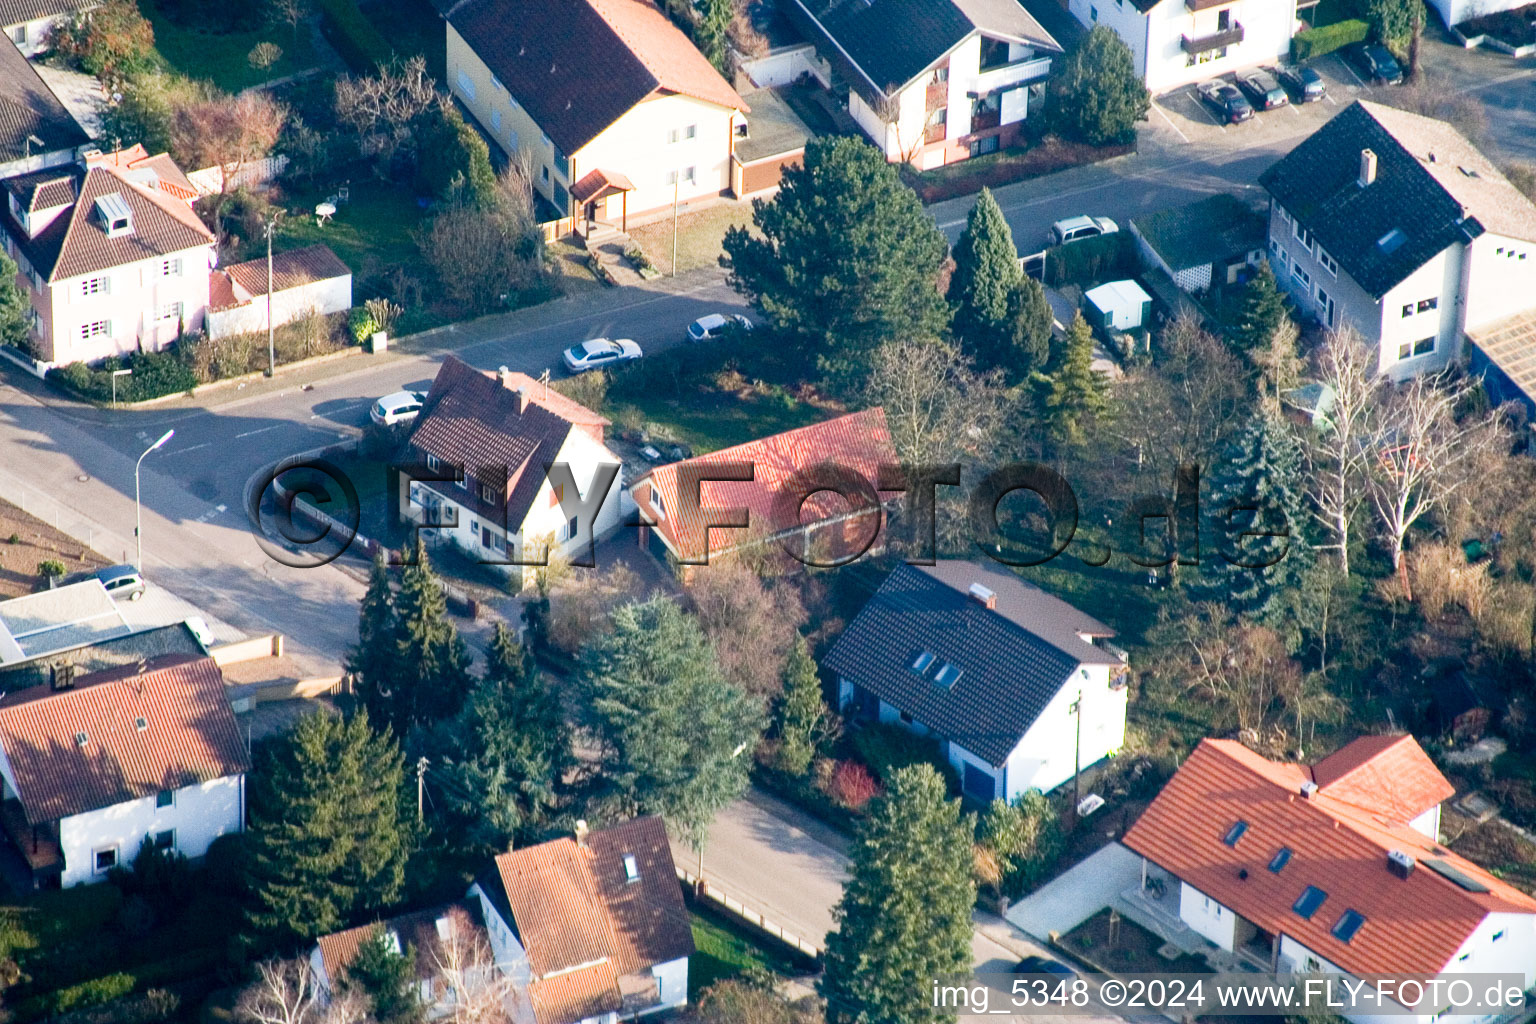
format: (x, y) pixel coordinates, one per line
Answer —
(1501, 279)
(1129, 24)
(34, 41)
(1428, 823)
(1206, 916)
(1454, 12)
(333, 295)
(672, 980)
(1045, 757)
(1156, 38)
(200, 814)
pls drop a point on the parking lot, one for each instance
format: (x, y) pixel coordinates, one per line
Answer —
(1182, 113)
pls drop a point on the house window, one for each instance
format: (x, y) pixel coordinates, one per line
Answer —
(1498, 935)
(1347, 925)
(1327, 261)
(1280, 859)
(631, 868)
(496, 120)
(1307, 903)
(466, 84)
(1407, 309)
(169, 311)
(512, 140)
(94, 329)
(672, 136)
(544, 173)
(487, 492)
(1285, 218)
(981, 147)
(1312, 965)
(906, 718)
(165, 798)
(1302, 235)
(691, 132)
(164, 840)
(171, 267)
(572, 527)
(1235, 833)
(1093, 13)
(1425, 305)
(1422, 347)
(1301, 276)
(104, 859)
(656, 502)
(19, 35)
(433, 462)
(93, 286)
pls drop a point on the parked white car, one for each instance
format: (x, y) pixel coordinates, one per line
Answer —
(600, 352)
(400, 407)
(708, 328)
(1074, 228)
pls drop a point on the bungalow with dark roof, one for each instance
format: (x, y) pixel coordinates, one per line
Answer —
(1336, 868)
(1021, 689)
(497, 442)
(610, 105)
(932, 81)
(1394, 223)
(96, 766)
(36, 130)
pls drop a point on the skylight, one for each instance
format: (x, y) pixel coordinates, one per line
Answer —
(141, 724)
(1391, 241)
(947, 675)
(1348, 923)
(1235, 833)
(1307, 903)
(1281, 859)
(922, 661)
(631, 868)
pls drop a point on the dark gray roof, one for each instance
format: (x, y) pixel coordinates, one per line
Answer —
(1215, 228)
(1013, 659)
(776, 130)
(15, 12)
(888, 43)
(1318, 183)
(29, 108)
(109, 654)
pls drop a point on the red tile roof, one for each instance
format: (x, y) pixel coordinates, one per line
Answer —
(584, 924)
(167, 176)
(1412, 926)
(419, 929)
(244, 282)
(1388, 774)
(859, 441)
(189, 736)
(471, 419)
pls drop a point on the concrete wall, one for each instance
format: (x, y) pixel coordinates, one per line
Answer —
(200, 813)
(1206, 916)
(333, 295)
(785, 64)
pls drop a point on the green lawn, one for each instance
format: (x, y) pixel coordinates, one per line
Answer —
(709, 421)
(221, 57)
(374, 226)
(722, 950)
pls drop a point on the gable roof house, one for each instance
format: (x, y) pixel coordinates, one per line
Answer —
(95, 766)
(27, 23)
(830, 529)
(112, 258)
(612, 107)
(591, 928)
(419, 934)
(1333, 868)
(1019, 687)
(36, 130)
(305, 280)
(932, 81)
(1177, 42)
(499, 434)
(1395, 223)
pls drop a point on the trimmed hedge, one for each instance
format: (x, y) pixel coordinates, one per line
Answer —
(1091, 259)
(155, 374)
(887, 747)
(359, 43)
(1314, 42)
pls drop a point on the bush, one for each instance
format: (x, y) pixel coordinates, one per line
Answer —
(452, 155)
(90, 993)
(50, 567)
(1091, 259)
(1314, 42)
(886, 747)
(852, 786)
(154, 374)
(360, 324)
(1512, 27)
(359, 43)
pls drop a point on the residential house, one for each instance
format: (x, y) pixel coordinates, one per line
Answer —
(1177, 42)
(28, 23)
(96, 765)
(606, 99)
(592, 928)
(1397, 225)
(1454, 12)
(1020, 688)
(932, 81)
(36, 131)
(1334, 868)
(304, 281)
(1217, 240)
(494, 438)
(420, 934)
(112, 259)
(826, 527)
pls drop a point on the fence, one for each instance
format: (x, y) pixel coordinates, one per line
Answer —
(555, 230)
(62, 518)
(741, 911)
(269, 646)
(209, 181)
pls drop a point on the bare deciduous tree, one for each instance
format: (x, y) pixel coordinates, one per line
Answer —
(288, 12)
(227, 132)
(263, 55)
(381, 108)
(1336, 453)
(474, 990)
(752, 626)
(938, 407)
(284, 992)
(1247, 670)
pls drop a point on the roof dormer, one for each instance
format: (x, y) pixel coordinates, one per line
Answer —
(114, 216)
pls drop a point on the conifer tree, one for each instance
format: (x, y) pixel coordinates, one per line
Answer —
(905, 914)
(802, 717)
(373, 660)
(433, 666)
(386, 979)
(986, 271)
(1025, 340)
(1078, 394)
(328, 835)
(1260, 313)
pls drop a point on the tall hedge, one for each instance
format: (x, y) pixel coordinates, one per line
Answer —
(1314, 42)
(1091, 259)
(354, 36)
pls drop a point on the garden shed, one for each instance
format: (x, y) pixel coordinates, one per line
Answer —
(1117, 306)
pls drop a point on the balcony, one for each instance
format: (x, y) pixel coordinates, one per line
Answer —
(981, 120)
(1205, 5)
(938, 96)
(934, 133)
(1017, 73)
(1215, 41)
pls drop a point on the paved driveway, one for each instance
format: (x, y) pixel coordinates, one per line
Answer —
(1193, 122)
(1070, 899)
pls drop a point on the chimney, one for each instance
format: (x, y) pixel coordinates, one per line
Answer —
(1367, 167)
(522, 398)
(504, 375)
(62, 675)
(1309, 789)
(983, 596)
(1399, 863)
(581, 833)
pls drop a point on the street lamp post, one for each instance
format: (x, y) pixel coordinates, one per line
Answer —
(270, 226)
(116, 374)
(138, 536)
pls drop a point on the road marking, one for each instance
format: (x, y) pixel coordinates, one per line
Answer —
(1165, 116)
(191, 448)
(1351, 70)
(344, 408)
(263, 430)
(1206, 110)
(1295, 110)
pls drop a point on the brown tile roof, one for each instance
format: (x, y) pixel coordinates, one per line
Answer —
(29, 107)
(577, 66)
(43, 190)
(584, 925)
(1390, 775)
(599, 184)
(244, 282)
(419, 929)
(75, 243)
(471, 420)
(1412, 926)
(189, 735)
(859, 441)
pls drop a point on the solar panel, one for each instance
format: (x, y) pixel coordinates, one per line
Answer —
(1307, 903)
(1446, 871)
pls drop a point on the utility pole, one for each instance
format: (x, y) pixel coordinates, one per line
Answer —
(1077, 751)
(270, 227)
(677, 179)
(421, 775)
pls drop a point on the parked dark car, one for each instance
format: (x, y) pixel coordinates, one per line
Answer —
(1042, 965)
(1306, 85)
(1263, 89)
(1379, 64)
(1227, 100)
